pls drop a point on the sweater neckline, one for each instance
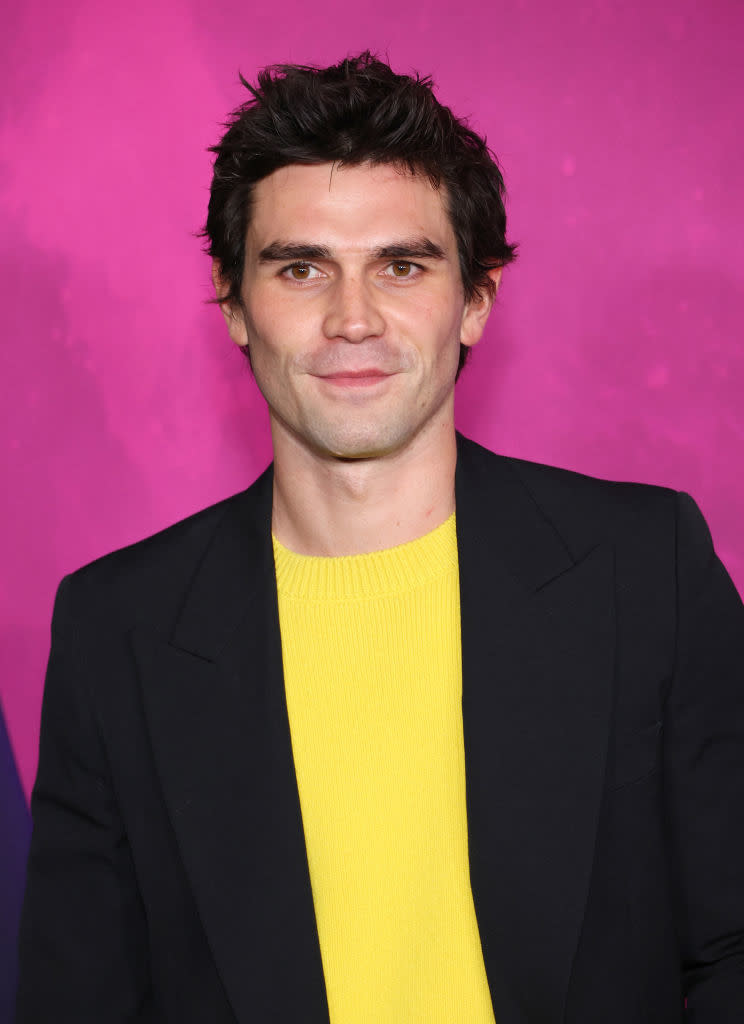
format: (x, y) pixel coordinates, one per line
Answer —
(372, 574)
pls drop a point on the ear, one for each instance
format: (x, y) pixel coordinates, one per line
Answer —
(476, 312)
(231, 310)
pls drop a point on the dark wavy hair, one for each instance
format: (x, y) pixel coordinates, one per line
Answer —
(355, 112)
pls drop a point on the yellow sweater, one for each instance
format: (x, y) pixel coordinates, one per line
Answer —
(372, 668)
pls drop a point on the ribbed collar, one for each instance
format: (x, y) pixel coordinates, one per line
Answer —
(350, 577)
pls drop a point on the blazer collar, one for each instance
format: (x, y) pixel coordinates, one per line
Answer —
(537, 639)
(538, 664)
(215, 705)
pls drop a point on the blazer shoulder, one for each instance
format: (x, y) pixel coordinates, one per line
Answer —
(147, 579)
(584, 509)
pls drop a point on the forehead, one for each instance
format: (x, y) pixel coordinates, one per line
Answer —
(354, 206)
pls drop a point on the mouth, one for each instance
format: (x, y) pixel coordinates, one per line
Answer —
(355, 378)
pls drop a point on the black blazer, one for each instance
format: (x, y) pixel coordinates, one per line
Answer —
(603, 711)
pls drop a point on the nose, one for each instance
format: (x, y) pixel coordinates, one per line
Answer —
(353, 313)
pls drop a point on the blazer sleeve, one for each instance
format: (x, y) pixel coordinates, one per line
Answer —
(704, 776)
(83, 940)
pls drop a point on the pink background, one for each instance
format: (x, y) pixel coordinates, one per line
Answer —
(615, 348)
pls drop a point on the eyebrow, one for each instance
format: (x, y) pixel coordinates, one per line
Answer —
(287, 251)
(405, 249)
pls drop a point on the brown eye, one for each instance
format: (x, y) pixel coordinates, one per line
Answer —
(401, 268)
(300, 271)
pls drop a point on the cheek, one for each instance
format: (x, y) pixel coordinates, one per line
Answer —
(435, 331)
(426, 317)
(277, 314)
(277, 337)
(442, 308)
(267, 329)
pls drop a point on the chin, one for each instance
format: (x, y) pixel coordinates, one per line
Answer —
(365, 443)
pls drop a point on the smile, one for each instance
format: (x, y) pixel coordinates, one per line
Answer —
(355, 378)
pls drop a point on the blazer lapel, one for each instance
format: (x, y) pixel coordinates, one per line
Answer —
(215, 705)
(538, 650)
(537, 635)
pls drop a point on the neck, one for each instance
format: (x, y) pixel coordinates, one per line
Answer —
(327, 506)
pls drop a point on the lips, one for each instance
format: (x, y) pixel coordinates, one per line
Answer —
(355, 374)
(365, 378)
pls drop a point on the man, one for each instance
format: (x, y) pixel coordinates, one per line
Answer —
(407, 731)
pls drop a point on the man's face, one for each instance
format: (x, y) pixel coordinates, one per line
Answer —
(353, 308)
